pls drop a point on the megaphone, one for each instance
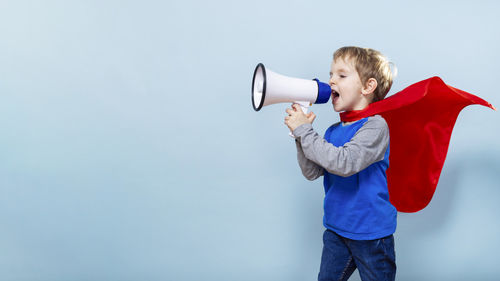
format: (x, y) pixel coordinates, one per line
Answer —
(269, 87)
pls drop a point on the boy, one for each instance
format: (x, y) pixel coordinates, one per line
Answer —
(352, 158)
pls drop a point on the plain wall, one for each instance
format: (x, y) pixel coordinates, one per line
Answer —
(129, 149)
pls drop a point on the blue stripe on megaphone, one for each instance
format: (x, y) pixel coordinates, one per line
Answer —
(324, 92)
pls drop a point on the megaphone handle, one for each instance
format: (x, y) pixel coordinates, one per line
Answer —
(305, 107)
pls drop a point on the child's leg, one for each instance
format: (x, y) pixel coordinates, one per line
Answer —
(337, 262)
(375, 259)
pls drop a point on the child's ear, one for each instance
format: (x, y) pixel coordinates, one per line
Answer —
(370, 86)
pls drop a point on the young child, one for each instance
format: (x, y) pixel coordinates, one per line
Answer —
(352, 158)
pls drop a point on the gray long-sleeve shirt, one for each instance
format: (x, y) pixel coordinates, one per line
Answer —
(367, 146)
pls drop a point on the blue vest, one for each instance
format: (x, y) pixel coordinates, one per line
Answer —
(358, 207)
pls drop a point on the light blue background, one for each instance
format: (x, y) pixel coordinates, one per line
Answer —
(130, 149)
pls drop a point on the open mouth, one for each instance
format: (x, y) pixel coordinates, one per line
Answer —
(335, 96)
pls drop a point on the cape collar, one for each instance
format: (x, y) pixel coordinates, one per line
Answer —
(354, 115)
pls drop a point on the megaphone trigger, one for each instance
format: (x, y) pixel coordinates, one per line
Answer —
(304, 105)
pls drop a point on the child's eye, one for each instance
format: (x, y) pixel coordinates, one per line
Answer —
(342, 76)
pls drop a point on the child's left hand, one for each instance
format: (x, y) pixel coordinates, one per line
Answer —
(296, 117)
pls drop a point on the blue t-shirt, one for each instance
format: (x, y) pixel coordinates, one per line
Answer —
(358, 207)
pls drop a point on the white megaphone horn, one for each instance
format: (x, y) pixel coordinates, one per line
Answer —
(269, 87)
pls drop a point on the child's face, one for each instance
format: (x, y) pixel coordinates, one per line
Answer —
(346, 86)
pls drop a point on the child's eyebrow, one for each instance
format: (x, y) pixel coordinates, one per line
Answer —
(338, 70)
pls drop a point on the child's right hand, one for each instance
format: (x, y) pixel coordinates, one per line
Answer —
(296, 117)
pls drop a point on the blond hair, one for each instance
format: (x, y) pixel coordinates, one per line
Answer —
(369, 63)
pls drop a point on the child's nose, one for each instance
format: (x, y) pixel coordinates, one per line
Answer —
(331, 82)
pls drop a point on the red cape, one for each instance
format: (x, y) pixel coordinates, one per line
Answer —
(420, 118)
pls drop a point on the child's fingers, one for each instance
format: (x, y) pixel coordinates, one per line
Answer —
(311, 116)
(291, 111)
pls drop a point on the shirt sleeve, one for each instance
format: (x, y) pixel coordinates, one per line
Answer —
(367, 146)
(310, 170)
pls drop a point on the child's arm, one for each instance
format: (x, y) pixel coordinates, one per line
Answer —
(367, 146)
(310, 170)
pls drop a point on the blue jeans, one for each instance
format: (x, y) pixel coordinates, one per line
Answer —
(375, 259)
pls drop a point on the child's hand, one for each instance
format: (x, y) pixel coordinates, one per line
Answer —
(296, 117)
